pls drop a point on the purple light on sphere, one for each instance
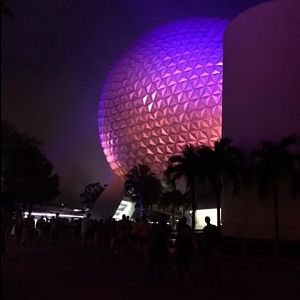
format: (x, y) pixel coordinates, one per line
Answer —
(164, 93)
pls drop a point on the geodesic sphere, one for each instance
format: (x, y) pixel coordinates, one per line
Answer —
(164, 93)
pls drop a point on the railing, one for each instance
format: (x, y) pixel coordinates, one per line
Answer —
(260, 247)
(254, 247)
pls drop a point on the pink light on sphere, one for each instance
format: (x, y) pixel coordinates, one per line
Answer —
(164, 93)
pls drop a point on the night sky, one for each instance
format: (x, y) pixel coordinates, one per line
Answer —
(55, 57)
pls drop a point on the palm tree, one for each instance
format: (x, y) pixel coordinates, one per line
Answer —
(208, 165)
(226, 160)
(213, 163)
(171, 200)
(144, 187)
(271, 161)
(185, 165)
(5, 10)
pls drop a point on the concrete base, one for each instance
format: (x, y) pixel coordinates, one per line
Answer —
(109, 200)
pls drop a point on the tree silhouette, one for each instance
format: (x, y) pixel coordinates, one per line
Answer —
(225, 160)
(5, 10)
(26, 174)
(172, 200)
(187, 166)
(271, 162)
(143, 187)
(91, 193)
(208, 165)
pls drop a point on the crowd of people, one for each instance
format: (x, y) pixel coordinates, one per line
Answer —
(156, 241)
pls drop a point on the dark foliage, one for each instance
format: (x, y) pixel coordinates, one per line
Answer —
(187, 166)
(5, 10)
(143, 187)
(91, 193)
(273, 161)
(208, 165)
(26, 173)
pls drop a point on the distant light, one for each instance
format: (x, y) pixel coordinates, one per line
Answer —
(44, 214)
(124, 208)
(202, 213)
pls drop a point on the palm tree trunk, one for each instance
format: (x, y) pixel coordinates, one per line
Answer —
(219, 209)
(276, 215)
(219, 192)
(173, 218)
(193, 196)
(30, 207)
(139, 207)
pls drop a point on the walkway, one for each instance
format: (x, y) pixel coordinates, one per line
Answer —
(74, 273)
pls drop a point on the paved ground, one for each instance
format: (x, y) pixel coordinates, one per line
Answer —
(74, 273)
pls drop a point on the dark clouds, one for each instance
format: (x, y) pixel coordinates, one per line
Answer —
(55, 57)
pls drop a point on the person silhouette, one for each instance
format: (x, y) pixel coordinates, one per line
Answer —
(210, 237)
(158, 250)
(185, 245)
(54, 231)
